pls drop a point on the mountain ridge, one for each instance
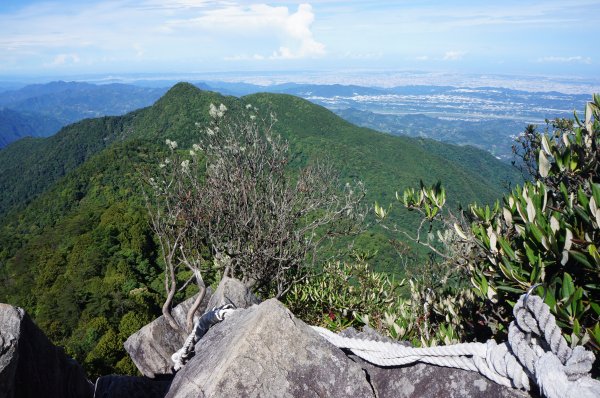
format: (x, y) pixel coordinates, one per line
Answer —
(76, 249)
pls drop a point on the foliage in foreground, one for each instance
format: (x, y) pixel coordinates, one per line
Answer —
(545, 232)
(548, 231)
(351, 294)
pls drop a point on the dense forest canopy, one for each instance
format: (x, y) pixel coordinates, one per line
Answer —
(76, 248)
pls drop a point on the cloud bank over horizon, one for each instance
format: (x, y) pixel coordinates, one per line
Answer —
(40, 37)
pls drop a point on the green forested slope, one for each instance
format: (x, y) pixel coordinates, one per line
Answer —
(16, 125)
(75, 247)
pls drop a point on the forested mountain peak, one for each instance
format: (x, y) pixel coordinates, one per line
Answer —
(76, 248)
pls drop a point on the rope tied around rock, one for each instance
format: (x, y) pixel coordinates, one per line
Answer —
(535, 350)
(201, 326)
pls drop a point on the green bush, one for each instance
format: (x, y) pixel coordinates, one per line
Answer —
(352, 295)
(545, 232)
(548, 231)
(341, 294)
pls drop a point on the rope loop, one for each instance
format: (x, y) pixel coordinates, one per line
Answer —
(535, 350)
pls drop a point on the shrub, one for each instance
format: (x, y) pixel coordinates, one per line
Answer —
(235, 193)
(545, 232)
(351, 294)
(548, 231)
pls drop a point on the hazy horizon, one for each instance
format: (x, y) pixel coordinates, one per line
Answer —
(54, 39)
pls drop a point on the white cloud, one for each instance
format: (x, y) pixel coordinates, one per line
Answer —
(453, 55)
(422, 58)
(576, 59)
(63, 59)
(261, 20)
(139, 50)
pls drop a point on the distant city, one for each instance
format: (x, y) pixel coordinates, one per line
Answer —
(486, 111)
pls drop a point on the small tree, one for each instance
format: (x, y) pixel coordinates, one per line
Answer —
(267, 222)
(236, 192)
(177, 220)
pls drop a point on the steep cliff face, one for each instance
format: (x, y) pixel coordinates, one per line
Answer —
(31, 366)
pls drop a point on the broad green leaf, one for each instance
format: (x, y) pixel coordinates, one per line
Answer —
(581, 258)
(567, 288)
(595, 307)
(506, 248)
(511, 289)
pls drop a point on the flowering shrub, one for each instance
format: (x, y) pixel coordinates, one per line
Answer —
(234, 192)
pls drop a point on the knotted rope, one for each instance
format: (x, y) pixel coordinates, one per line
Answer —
(201, 326)
(536, 350)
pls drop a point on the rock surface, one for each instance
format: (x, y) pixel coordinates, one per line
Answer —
(31, 366)
(424, 380)
(130, 387)
(260, 351)
(232, 291)
(151, 347)
(264, 351)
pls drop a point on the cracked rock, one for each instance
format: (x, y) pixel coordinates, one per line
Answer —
(151, 347)
(264, 351)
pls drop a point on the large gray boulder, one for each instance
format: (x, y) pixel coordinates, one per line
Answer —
(232, 291)
(423, 380)
(264, 351)
(31, 366)
(151, 347)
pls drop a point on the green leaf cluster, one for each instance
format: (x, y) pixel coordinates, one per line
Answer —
(548, 232)
(545, 232)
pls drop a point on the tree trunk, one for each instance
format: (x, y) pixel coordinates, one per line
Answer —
(190, 314)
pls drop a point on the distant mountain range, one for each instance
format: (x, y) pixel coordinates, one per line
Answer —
(40, 110)
(488, 118)
(16, 125)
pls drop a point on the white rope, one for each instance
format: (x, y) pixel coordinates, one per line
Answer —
(201, 326)
(535, 350)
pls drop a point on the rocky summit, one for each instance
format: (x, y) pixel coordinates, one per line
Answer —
(259, 350)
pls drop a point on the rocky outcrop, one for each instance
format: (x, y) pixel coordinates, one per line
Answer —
(264, 351)
(151, 347)
(259, 351)
(31, 366)
(130, 387)
(232, 291)
(422, 380)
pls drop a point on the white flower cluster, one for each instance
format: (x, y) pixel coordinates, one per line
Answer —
(215, 112)
(185, 166)
(171, 144)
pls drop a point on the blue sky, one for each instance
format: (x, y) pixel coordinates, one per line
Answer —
(547, 38)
